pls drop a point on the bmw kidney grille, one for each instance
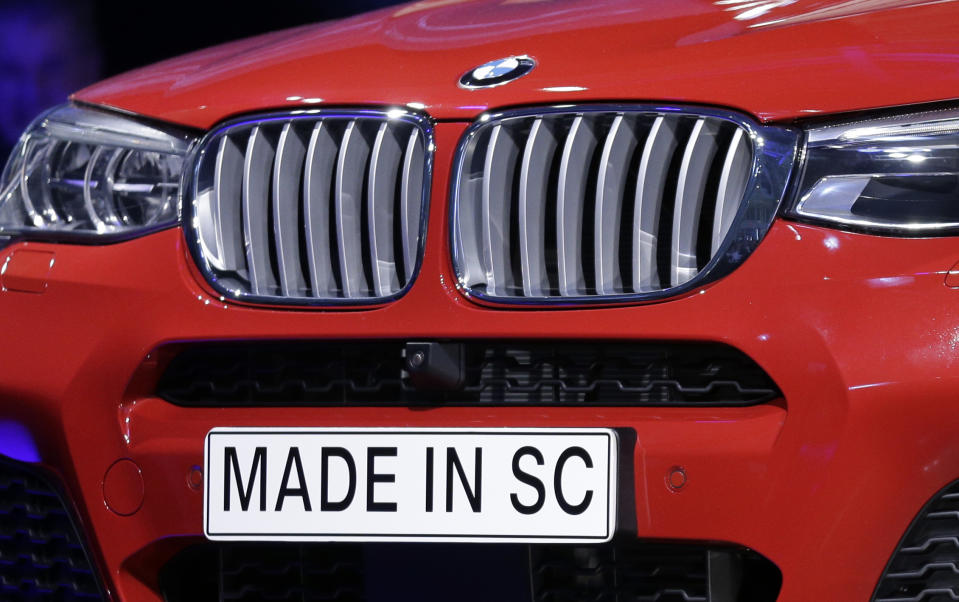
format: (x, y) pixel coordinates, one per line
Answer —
(605, 203)
(319, 208)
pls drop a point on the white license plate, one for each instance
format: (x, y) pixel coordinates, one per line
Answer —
(352, 484)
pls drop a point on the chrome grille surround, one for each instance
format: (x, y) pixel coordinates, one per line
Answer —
(541, 199)
(322, 207)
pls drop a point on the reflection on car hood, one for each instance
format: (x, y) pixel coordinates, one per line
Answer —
(776, 59)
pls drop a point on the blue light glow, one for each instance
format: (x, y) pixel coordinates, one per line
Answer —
(17, 443)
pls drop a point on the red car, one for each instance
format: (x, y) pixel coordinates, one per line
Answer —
(557, 301)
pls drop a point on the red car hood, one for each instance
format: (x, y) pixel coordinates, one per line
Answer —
(775, 59)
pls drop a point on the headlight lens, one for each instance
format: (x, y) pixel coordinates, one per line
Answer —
(91, 174)
(897, 175)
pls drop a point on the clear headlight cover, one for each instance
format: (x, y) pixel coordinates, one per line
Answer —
(894, 175)
(90, 174)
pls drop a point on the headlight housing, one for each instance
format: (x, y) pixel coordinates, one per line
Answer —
(896, 175)
(92, 175)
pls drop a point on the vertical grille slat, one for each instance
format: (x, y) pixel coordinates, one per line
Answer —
(384, 167)
(732, 185)
(610, 193)
(581, 143)
(498, 172)
(697, 157)
(350, 168)
(541, 147)
(287, 178)
(226, 205)
(411, 207)
(312, 208)
(650, 184)
(636, 202)
(257, 167)
(318, 173)
(469, 216)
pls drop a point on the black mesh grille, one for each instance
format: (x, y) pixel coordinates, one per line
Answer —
(657, 574)
(925, 567)
(626, 572)
(41, 554)
(474, 372)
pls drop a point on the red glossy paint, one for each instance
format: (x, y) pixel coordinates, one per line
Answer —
(858, 331)
(27, 271)
(123, 487)
(795, 60)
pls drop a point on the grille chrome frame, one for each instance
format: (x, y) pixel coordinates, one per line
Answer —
(420, 125)
(775, 158)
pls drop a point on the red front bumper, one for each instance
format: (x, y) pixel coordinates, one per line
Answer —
(859, 332)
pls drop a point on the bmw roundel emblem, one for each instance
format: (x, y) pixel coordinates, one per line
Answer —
(498, 72)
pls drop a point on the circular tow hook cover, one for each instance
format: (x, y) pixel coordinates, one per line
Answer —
(498, 72)
(123, 488)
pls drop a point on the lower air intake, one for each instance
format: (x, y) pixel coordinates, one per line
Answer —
(41, 553)
(398, 373)
(925, 567)
(632, 571)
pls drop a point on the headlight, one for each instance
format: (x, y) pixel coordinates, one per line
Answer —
(897, 175)
(80, 172)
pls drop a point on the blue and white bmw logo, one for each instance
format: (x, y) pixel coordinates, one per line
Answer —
(498, 72)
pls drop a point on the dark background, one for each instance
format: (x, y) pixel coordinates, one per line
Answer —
(50, 48)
